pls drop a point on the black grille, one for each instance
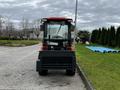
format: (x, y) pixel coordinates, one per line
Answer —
(56, 60)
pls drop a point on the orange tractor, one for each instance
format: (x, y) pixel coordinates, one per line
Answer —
(57, 46)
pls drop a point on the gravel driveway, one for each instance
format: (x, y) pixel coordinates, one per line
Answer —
(18, 72)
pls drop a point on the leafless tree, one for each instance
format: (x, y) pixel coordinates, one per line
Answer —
(20, 34)
(36, 31)
(10, 29)
(1, 25)
(26, 28)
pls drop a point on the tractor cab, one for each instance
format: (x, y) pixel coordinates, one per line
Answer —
(57, 51)
(57, 33)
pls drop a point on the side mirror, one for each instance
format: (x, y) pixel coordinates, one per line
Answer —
(41, 27)
(72, 28)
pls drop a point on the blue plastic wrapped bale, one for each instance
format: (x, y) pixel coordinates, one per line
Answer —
(102, 49)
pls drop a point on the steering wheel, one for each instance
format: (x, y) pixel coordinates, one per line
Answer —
(57, 36)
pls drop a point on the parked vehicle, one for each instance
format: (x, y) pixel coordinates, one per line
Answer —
(57, 46)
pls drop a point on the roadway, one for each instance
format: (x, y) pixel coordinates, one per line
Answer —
(18, 72)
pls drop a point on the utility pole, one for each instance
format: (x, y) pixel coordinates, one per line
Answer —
(76, 12)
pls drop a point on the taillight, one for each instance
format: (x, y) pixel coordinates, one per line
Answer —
(44, 46)
(69, 47)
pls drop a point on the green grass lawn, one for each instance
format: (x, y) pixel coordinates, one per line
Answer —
(18, 43)
(103, 70)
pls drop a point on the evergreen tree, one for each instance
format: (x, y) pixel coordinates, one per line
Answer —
(117, 37)
(111, 38)
(103, 36)
(107, 36)
(119, 41)
(94, 36)
(98, 35)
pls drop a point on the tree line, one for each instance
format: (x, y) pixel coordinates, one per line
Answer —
(26, 29)
(106, 36)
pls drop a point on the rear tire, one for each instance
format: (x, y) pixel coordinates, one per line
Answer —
(70, 72)
(43, 72)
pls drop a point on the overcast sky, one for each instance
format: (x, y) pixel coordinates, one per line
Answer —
(91, 13)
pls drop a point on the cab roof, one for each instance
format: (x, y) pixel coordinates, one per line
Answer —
(57, 18)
